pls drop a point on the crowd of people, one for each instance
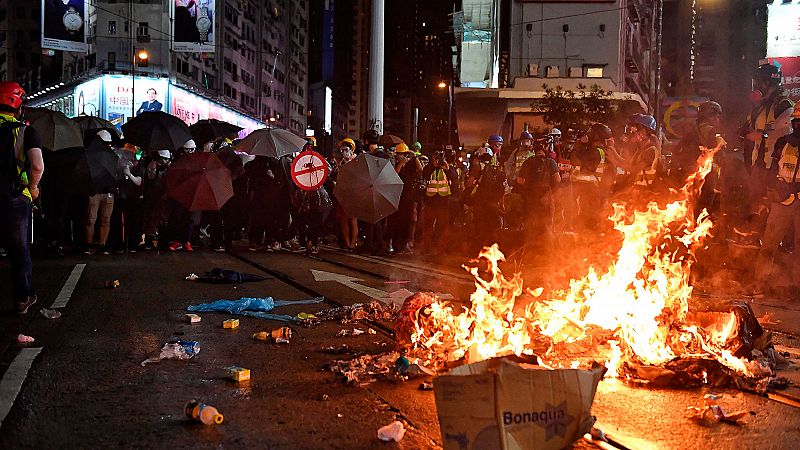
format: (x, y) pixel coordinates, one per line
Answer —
(526, 193)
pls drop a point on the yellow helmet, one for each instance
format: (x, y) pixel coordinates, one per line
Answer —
(402, 148)
(348, 141)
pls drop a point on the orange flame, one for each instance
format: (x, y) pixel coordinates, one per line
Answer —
(639, 303)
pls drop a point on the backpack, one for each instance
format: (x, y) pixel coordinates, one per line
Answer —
(491, 186)
(10, 149)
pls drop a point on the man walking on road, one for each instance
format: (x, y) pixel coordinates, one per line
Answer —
(21, 168)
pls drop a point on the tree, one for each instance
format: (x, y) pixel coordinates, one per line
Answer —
(578, 109)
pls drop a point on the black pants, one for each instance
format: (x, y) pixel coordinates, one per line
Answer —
(126, 224)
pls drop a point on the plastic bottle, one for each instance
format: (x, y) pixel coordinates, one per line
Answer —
(203, 413)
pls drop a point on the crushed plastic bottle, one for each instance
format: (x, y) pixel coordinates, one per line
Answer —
(392, 432)
(203, 413)
(50, 313)
(23, 339)
(175, 350)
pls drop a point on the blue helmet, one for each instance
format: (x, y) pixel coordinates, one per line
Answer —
(495, 138)
(525, 135)
(646, 121)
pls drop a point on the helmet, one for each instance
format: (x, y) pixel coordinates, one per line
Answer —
(524, 135)
(189, 145)
(599, 132)
(164, 154)
(311, 140)
(646, 121)
(707, 109)
(417, 146)
(402, 148)
(348, 141)
(11, 94)
(104, 135)
(770, 73)
(555, 132)
(495, 138)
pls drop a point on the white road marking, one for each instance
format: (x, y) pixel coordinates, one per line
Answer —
(455, 277)
(69, 286)
(12, 380)
(352, 283)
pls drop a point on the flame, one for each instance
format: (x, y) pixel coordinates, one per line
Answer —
(636, 310)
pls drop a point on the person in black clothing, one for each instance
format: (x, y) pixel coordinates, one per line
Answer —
(154, 202)
(126, 219)
(400, 223)
(374, 232)
(439, 177)
(537, 180)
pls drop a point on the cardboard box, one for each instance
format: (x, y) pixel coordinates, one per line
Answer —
(502, 404)
(192, 318)
(230, 323)
(238, 373)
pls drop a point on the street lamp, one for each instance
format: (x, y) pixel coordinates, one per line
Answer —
(142, 56)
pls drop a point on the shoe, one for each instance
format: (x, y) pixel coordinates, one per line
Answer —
(314, 249)
(87, 250)
(220, 248)
(103, 250)
(2, 252)
(188, 247)
(174, 246)
(276, 246)
(256, 247)
(23, 306)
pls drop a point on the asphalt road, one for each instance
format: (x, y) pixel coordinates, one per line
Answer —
(86, 388)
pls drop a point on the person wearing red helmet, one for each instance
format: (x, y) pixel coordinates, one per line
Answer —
(21, 168)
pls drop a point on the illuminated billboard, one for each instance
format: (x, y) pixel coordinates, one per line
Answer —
(193, 27)
(783, 30)
(63, 25)
(191, 107)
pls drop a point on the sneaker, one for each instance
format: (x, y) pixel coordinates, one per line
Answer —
(276, 246)
(87, 250)
(219, 248)
(103, 250)
(188, 247)
(256, 247)
(314, 249)
(23, 306)
(174, 246)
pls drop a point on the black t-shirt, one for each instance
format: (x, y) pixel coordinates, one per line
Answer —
(538, 173)
(31, 140)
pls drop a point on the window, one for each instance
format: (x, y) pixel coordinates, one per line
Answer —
(112, 60)
(143, 29)
(112, 27)
(594, 72)
(126, 26)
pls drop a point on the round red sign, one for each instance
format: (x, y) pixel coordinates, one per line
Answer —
(309, 170)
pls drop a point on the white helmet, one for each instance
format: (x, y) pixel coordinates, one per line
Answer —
(189, 145)
(555, 132)
(164, 154)
(104, 135)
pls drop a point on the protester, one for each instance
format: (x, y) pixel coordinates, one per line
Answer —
(154, 196)
(439, 177)
(126, 218)
(589, 180)
(537, 179)
(400, 224)
(637, 160)
(20, 172)
(374, 241)
(702, 137)
(181, 221)
(490, 187)
(348, 227)
(101, 200)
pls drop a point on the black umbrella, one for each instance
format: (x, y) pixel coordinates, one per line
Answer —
(368, 188)
(96, 170)
(57, 130)
(92, 122)
(209, 130)
(274, 142)
(156, 130)
(232, 161)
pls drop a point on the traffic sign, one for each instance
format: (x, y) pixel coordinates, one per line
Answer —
(309, 170)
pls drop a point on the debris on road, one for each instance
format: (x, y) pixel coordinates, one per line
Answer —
(175, 350)
(192, 277)
(426, 386)
(353, 332)
(237, 373)
(201, 412)
(334, 350)
(224, 276)
(253, 307)
(392, 432)
(374, 311)
(529, 405)
(111, 284)
(192, 318)
(712, 409)
(406, 368)
(366, 368)
(230, 323)
(304, 316)
(279, 335)
(23, 339)
(50, 313)
(325, 397)
(371, 331)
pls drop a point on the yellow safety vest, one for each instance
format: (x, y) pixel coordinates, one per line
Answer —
(763, 122)
(787, 168)
(20, 153)
(438, 184)
(522, 155)
(594, 177)
(648, 175)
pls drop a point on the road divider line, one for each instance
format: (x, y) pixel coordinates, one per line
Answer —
(12, 380)
(69, 287)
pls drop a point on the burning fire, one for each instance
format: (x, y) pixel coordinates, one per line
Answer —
(636, 311)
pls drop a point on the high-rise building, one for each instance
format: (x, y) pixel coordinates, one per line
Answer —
(258, 67)
(21, 56)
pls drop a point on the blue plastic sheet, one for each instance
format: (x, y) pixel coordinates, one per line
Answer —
(251, 306)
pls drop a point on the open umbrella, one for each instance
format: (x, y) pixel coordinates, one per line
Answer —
(57, 130)
(199, 181)
(92, 122)
(208, 130)
(95, 170)
(368, 188)
(232, 161)
(156, 130)
(389, 140)
(273, 142)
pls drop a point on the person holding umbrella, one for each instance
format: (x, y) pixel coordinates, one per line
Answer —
(101, 193)
(126, 219)
(20, 172)
(348, 227)
(181, 220)
(374, 242)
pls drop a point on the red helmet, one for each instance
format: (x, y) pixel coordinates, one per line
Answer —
(11, 94)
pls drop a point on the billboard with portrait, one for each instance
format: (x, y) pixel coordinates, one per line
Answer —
(124, 98)
(193, 26)
(64, 25)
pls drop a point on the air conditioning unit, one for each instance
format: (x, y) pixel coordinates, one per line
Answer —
(575, 72)
(552, 72)
(533, 70)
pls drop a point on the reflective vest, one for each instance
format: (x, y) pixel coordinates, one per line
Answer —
(764, 122)
(521, 156)
(438, 184)
(582, 176)
(648, 175)
(19, 151)
(787, 165)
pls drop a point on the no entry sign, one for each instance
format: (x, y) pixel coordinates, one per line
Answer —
(309, 170)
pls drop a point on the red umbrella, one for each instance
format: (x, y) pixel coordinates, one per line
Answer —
(199, 181)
